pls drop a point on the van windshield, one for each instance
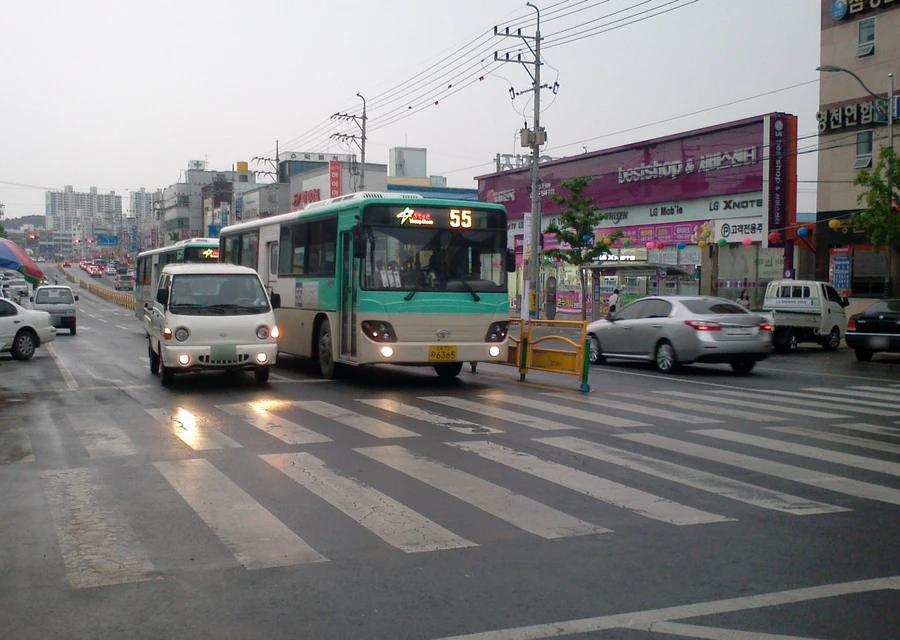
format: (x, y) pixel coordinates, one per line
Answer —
(217, 294)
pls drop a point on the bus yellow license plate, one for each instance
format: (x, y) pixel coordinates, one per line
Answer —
(441, 353)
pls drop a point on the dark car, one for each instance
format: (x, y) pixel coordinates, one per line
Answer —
(875, 329)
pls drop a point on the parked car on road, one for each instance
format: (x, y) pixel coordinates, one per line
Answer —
(22, 330)
(124, 283)
(875, 329)
(670, 331)
(59, 302)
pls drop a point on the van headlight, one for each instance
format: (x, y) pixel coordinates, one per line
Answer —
(181, 334)
(275, 332)
(262, 332)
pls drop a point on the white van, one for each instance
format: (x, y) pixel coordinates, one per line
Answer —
(211, 316)
(805, 311)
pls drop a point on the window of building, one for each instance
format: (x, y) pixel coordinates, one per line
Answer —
(864, 145)
(865, 44)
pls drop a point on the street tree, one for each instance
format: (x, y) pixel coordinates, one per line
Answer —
(881, 217)
(2, 232)
(575, 230)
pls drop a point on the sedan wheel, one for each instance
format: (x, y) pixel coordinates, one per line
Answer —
(24, 345)
(666, 359)
(596, 355)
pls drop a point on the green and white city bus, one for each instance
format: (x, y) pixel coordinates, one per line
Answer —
(150, 263)
(374, 278)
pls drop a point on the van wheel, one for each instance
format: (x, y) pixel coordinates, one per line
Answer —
(833, 341)
(665, 358)
(448, 370)
(326, 355)
(262, 374)
(863, 355)
(786, 341)
(154, 359)
(72, 330)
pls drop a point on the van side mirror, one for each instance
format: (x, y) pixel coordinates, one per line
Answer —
(162, 297)
(845, 302)
(510, 261)
(276, 300)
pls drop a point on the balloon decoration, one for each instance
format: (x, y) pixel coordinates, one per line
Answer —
(607, 241)
(587, 238)
(802, 232)
(681, 246)
(557, 260)
(747, 241)
(660, 245)
(651, 245)
(774, 237)
(703, 244)
(626, 243)
(723, 242)
(835, 224)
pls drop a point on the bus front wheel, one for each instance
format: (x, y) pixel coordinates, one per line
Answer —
(325, 351)
(448, 370)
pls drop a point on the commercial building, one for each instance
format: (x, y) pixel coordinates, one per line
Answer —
(711, 211)
(859, 38)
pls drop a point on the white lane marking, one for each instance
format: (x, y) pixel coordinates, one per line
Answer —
(454, 424)
(891, 389)
(792, 448)
(295, 381)
(391, 521)
(802, 399)
(90, 315)
(809, 413)
(643, 620)
(870, 428)
(145, 361)
(514, 508)
(640, 502)
(717, 633)
(102, 320)
(258, 415)
(17, 442)
(496, 412)
(98, 545)
(837, 484)
(693, 406)
(105, 440)
(838, 393)
(372, 426)
(63, 369)
(635, 408)
(184, 425)
(257, 539)
(863, 443)
(280, 378)
(702, 480)
(118, 326)
(588, 416)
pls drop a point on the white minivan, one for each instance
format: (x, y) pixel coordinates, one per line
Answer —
(805, 311)
(212, 316)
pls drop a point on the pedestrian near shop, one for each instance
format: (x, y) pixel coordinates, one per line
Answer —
(614, 301)
(744, 300)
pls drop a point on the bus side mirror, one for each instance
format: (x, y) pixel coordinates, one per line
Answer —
(76, 298)
(276, 301)
(162, 297)
(510, 261)
(359, 246)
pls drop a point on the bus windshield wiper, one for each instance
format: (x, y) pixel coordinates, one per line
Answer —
(469, 288)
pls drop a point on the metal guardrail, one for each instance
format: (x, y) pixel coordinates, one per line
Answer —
(116, 297)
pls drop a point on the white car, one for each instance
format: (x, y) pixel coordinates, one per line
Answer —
(22, 331)
(111, 271)
(59, 302)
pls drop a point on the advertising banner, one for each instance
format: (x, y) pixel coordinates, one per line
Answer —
(334, 178)
(840, 269)
(735, 230)
(776, 178)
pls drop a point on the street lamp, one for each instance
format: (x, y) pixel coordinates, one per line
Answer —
(830, 68)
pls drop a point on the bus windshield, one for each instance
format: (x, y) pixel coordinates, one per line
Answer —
(217, 294)
(424, 259)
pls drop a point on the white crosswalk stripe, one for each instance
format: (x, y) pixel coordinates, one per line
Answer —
(778, 394)
(809, 413)
(871, 428)
(608, 403)
(98, 545)
(702, 480)
(806, 400)
(863, 443)
(372, 426)
(837, 393)
(837, 484)
(566, 410)
(198, 437)
(693, 406)
(385, 517)
(880, 389)
(516, 509)
(640, 502)
(542, 424)
(454, 424)
(257, 539)
(104, 440)
(258, 415)
(825, 455)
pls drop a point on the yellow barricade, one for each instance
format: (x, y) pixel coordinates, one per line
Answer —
(538, 354)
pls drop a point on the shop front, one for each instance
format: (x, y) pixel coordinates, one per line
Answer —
(711, 211)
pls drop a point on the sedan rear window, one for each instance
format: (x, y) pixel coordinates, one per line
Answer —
(713, 307)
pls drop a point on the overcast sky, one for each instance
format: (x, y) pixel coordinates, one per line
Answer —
(121, 95)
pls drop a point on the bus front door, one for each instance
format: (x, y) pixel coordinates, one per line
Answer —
(349, 278)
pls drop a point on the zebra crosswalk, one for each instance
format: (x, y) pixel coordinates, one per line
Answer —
(433, 474)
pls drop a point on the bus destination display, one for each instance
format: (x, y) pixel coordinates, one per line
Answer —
(435, 217)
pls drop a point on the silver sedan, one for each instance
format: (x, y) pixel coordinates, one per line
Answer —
(673, 330)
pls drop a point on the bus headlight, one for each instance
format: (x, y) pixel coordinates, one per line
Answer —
(379, 331)
(387, 352)
(497, 331)
(494, 351)
(181, 334)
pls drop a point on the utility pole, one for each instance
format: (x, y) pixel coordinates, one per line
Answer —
(889, 290)
(359, 141)
(533, 138)
(273, 162)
